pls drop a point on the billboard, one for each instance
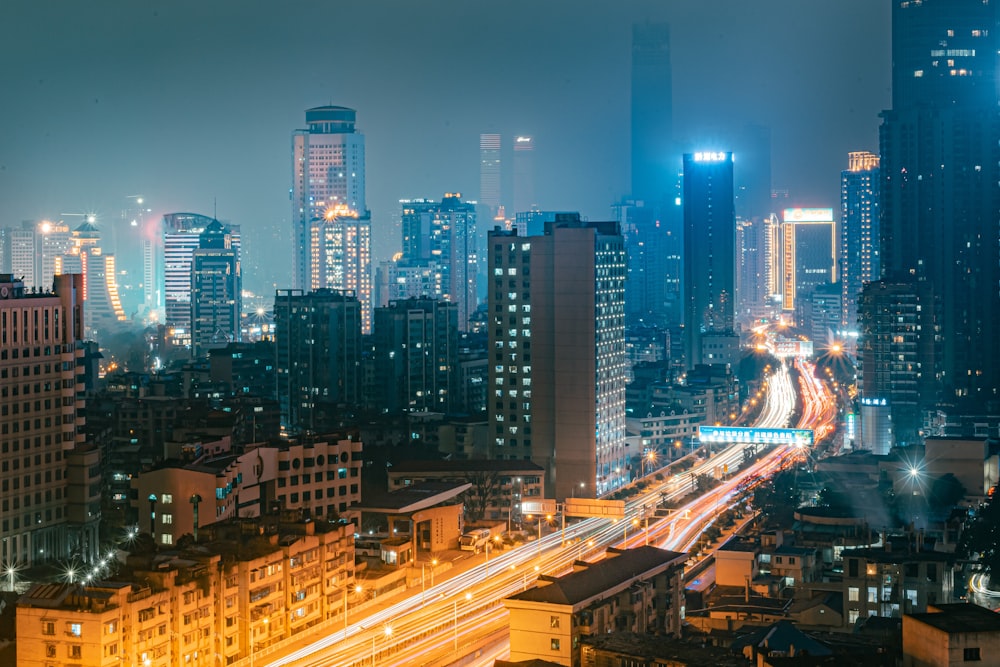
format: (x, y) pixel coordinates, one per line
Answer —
(540, 506)
(588, 507)
(808, 215)
(798, 437)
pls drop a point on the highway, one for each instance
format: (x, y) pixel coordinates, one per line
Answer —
(432, 628)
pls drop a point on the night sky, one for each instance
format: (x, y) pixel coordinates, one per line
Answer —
(192, 103)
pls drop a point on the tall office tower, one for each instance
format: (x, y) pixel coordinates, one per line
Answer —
(340, 254)
(772, 258)
(524, 174)
(709, 284)
(895, 361)
(652, 112)
(444, 233)
(752, 300)
(181, 237)
(489, 172)
(328, 171)
(216, 297)
(127, 236)
(40, 340)
(645, 241)
(100, 287)
(54, 241)
(940, 182)
(808, 242)
(752, 172)
(152, 297)
(557, 345)
(859, 231)
(318, 343)
(416, 356)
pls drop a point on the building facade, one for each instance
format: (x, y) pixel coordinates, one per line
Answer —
(216, 291)
(709, 284)
(859, 231)
(557, 346)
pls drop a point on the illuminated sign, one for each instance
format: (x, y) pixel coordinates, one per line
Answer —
(851, 425)
(808, 215)
(710, 156)
(522, 140)
(879, 402)
(799, 437)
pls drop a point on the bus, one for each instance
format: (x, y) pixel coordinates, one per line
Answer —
(474, 540)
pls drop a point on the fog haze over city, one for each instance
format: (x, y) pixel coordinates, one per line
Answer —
(193, 104)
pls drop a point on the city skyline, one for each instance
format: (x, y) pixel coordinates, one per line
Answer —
(227, 152)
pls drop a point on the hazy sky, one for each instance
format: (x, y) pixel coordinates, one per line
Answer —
(191, 102)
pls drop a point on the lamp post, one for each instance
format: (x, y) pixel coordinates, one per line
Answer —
(347, 591)
(387, 631)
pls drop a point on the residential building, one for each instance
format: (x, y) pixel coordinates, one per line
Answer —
(41, 423)
(631, 590)
(891, 581)
(340, 255)
(318, 343)
(416, 356)
(557, 346)
(859, 231)
(950, 635)
(709, 283)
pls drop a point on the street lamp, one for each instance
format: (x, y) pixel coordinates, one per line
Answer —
(387, 631)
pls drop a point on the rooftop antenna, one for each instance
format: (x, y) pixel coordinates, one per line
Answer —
(215, 208)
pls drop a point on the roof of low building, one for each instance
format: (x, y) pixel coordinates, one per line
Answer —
(413, 498)
(618, 568)
(781, 637)
(464, 466)
(675, 651)
(962, 617)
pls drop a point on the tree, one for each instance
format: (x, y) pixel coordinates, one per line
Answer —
(945, 492)
(981, 539)
(485, 491)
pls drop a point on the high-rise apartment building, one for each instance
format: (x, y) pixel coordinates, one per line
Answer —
(216, 284)
(709, 284)
(557, 353)
(444, 234)
(19, 254)
(940, 183)
(54, 241)
(340, 255)
(752, 296)
(318, 343)
(652, 112)
(41, 420)
(808, 243)
(328, 172)
(859, 231)
(649, 263)
(416, 356)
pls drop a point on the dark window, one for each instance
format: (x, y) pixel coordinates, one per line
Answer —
(971, 654)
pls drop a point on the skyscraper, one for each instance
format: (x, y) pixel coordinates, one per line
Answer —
(444, 234)
(652, 112)
(859, 231)
(524, 174)
(557, 346)
(808, 238)
(752, 296)
(940, 183)
(328, 171)
(340, 256)
(100, 287)
(318, 344)
(181, 237)
(709, 258)
(216, 284)
(489, 172)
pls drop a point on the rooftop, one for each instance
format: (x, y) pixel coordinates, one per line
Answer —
(487, 465)
(617, 569)
(669, 651)
(412, 498)
(956, 618)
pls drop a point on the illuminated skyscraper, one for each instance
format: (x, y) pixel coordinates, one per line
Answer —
(808, 237)
(340, 256)
(100, 288)
(556, 389)
(54, 240)
(940, 184)
(652, 112)
(328, 173)
(709, 257)
(859, 231)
